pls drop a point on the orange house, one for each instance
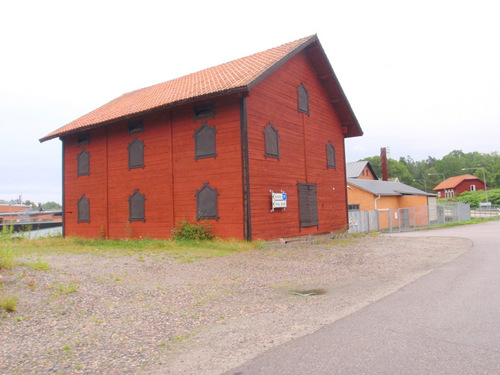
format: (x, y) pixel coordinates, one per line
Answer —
(254, 147)
(387, 196)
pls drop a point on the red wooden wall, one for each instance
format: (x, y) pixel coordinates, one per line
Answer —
(303, 140)
(171, 175)
(169, 180)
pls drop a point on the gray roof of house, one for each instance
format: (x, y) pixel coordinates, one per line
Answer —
(379, 187)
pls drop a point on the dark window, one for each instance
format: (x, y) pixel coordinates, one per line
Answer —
(83, 210)
(330, 156)
(135, 154)
(136, 206)
(353, 207)
(204, 139)
(136, 126)
(83, 160)
(204, 111)
(82, 139)
(308, 205)
(272, 141)
(303, 99)
(206, 202)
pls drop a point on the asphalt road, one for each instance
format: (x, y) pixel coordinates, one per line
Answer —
(447, 322)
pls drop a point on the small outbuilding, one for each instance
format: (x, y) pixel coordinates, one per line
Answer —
(254, 147)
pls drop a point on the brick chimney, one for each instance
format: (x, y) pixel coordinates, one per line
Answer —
(383, 163)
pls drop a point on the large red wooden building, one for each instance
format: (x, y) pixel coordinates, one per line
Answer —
(215, 145)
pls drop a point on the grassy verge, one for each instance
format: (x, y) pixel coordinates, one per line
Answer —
(187, 250)
(472, 221)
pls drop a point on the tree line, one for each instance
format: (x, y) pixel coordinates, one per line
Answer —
(427, 174)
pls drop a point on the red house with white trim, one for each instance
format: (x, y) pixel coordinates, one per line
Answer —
(454, 186)
(255, 147)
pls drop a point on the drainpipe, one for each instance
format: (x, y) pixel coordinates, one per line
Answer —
(376, 199)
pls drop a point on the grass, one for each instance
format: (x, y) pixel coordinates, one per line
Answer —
(8, 302)
(7, 257)
(468, 222)
(182, 250)
(38, 265)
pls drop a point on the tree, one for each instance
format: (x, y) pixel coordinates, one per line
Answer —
(51, 206)
(395, 169)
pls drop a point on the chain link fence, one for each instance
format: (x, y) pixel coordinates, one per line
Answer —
(412, 218)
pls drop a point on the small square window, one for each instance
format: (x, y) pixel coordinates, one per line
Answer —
(204, 111)
(82, 139)
(136, 126)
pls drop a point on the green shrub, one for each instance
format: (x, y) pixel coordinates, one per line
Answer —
(193, 232)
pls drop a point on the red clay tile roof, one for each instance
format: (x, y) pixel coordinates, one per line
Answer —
(235, 76)
(453, 182)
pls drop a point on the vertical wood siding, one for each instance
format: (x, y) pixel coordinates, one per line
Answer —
(168, 159)
(303, 141)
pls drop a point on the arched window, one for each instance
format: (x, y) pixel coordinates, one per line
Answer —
(135, 154)
(206, 202)
(303, 99)
(272, 138)
(136, 206)
(204, 140)
(83, 160)
(330, 156)
(83, 209)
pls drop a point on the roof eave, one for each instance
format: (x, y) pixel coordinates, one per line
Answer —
(233, 91)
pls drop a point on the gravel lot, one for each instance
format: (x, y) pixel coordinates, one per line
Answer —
(148, 313)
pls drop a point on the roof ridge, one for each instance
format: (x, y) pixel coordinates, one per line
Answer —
(221, 64)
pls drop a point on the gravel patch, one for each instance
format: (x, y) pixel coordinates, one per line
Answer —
(150, 313)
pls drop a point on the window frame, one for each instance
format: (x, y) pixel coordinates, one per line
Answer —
(83, 156)
(82, 139)
(132, 162)
(83, 205)
(132, 200)
(135, 126)
(331, 157)
(303, 99)
(210, 132)
(271, 135)
(204, 111)
(207, 192)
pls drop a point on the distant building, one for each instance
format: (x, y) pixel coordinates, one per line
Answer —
(454, 186)
(361, 169)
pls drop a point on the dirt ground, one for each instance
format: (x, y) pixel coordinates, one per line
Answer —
(103, 313)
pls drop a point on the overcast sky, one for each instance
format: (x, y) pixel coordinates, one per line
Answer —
(423, 78)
